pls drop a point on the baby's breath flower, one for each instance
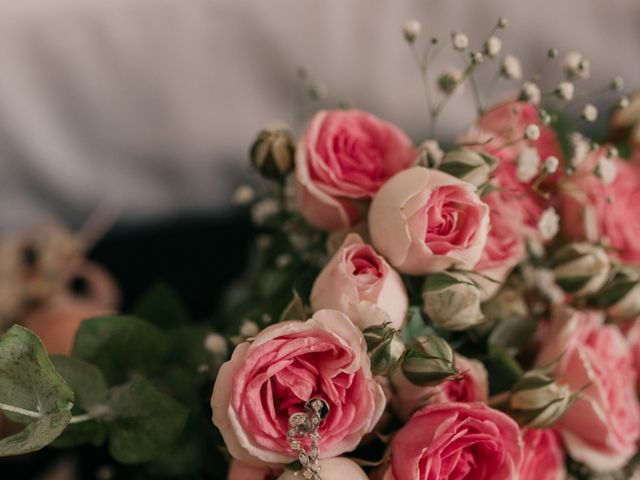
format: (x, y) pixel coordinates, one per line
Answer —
(216, 344)
(576, 65)
(511, 68)
(248, 329)
(549, 224)
(502, 22)
(477, 58)
(530, 93)
(411, 30)
(612, 152)
(606, 170)
(623, 102)
(532, 132)
(552, 53)
(492, 46)
(545, 118)
(564, 90)
(579, 149)
(551, 164)
(284, 260)
(459, 41)
(449, 81)
(528, 164)
(589, 113)
(243, 195)
(264, 209)
(617, 83)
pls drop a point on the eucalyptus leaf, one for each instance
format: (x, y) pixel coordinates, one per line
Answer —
(31, 387)
(86, 380)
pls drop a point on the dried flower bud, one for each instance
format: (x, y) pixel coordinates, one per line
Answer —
(550, 165)
(272, 153)
(511, 68)
(552, 53)
(459, 41)
(581, 268)
(575, 65)
(450, 81)
(428, 360)
(411, 30)
(469, 165)
(385, 348)
(452, 301)
(549, 224)
(532, 132)
(243, 195)
(530, 93)
(589, 113)
(564, 90)
(538, 401)
(492, 46)
(621, 294)
(430, 154)
(502, 22)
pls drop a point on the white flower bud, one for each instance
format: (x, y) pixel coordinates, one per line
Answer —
(549, 224)
(528, 164)
(589, 113)
(492, 46)
(477, 58)
(551, 164)
(452, 301)
(546, 403)
(459, 41)
(511, 68)
(545, 118)
(581, 268)
(502, 22)
(243, 195)
(575, 65)
(530, 93)
(621, 295)
(248, 329)
(216, 344)
(411, 30)
(467, 165)
(579, 149)
(564, 90)
(606, 170)
(532, 132)
(264, 209)
(450, 82)
(283, 260)
(617, 83)
(430, 154)
(552, 53)
(623, 102)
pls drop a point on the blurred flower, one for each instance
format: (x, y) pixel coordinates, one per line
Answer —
(468, 165)
(459, 41)
(564, 90)
(530, 93)
(575, 65)
(589, 113)
(581, 268)
(492, 46)
(528, 165)
(449, 82)
(272, 153)
(411, 30)
(549, 224)
(511, 68)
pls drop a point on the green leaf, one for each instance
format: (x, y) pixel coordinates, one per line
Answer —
(457, 169)
(120, 346)
(86, 380)
(441, 280)
(162, 307)
(503, 368)
(29, 382)
(83, 433)
(146, 422)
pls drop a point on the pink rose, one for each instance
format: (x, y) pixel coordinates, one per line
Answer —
(602, 427)
(453, 441)
(594, 210)
(425, 221)
(505, 246)
(342, 161)
(359, 282)
(543, 456)
(471, 385)
(632, 333)
(242, 471)
(338, 468)
(270, 378)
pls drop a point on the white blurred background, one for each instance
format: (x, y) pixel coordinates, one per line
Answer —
(151, 104)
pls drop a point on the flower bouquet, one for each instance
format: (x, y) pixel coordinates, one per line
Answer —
(408, 312)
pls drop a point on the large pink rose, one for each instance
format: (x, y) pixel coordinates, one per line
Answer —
(424, 221)
(602, 427)
(543, 456)
(270, 378)
(505, 246)
(594, 210)
(632, 333)
(471, 385)
(454, 441)
(342, 161)
(358, 282)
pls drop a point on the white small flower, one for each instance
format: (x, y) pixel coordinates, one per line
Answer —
(532, 132)
(248, 329)
(502, 22)
(576, 65)
(589, 113)
(511, 68)
(243, 195)
(459, 41)
(579, 148)
(284, 260)
(549, 224)
(264, 209)
(564, 90)
(552, 53)
(412, 30)
(623, 102)
(612, 152)
(450, 81)
(492, 46)
(528, 164)
(606, 170)
(545, 118)
(477, 58)
(617, 83)
(531, 93)
(216, 344)
(551, 164)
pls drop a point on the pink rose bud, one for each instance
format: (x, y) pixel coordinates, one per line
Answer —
(426, 221)
(456, 441)
(360, 283)
(543, 456)
(272, 377)
(338, 468)
(428, 360)
(602, 427)
(342, 161)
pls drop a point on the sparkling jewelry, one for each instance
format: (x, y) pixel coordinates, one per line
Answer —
(303, 424)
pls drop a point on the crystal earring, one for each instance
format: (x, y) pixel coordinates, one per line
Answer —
(304, 424)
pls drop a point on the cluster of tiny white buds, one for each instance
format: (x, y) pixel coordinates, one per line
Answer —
(617, 83)
(216, 344)
(623, 102)
(476, 58)
(589, 113)
(532, 132)
(549, 224)
(530, 93)
(612, 152)
(411, 30)
(459, 41)
(528, 164)
(243, 195)
(552, 53)
(545, 118)
(576, 66)
(502, 22)
(492, 46)
(606, 170)
(564, 90)
(511, 68)
(248, 329)
(550, 165)
(450, 81)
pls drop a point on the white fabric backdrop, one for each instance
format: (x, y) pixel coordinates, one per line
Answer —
(152, 103)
